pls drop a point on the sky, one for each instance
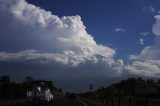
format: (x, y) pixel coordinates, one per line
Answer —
(78, 43)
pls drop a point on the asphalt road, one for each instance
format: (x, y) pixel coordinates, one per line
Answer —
(67, 102)
(60, 102)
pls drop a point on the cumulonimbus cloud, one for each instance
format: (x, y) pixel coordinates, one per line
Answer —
(29, 33)
(25, 26)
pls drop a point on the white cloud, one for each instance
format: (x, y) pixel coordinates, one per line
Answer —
(141, 41)
(34, 28)
(120, 30)
(66, 58)
(145, 33)
(150, 68)
(39, 36)
(151, 9)
(117, 68)
(147, 63)
(152, 52)
(156, 26)
(148, 53)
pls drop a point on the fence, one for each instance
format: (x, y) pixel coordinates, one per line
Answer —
(128, 101)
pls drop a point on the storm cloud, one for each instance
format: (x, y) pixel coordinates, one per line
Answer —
(25, 26)
(60, 48)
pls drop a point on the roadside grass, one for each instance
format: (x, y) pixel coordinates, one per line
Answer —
(11, 102)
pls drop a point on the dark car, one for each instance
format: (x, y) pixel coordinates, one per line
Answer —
(72, 96)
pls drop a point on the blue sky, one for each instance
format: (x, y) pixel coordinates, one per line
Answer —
(80, 42)
(102, 17)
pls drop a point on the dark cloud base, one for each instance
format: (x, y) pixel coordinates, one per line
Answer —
(67, 79)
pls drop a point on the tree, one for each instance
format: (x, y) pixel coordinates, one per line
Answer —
(6, 88)
(5, 79)
(28, 79)
(28, 83)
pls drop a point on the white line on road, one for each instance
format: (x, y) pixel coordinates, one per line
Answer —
(84, 104)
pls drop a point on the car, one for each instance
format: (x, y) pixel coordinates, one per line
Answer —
(38, 94)
(72, 96)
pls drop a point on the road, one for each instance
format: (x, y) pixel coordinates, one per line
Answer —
(61, 102)
(67, 102)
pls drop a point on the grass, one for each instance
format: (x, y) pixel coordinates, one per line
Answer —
(11, 102)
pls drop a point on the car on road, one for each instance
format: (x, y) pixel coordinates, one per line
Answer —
(39, 94)
(72, 96)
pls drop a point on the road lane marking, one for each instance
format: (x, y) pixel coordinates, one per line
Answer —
(82, 102)
(90, 101)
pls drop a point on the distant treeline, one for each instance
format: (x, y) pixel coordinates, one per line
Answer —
(137, 87)
(12, 90)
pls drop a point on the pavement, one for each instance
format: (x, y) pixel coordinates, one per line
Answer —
(60, 102)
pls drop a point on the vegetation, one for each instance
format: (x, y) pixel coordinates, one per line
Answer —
(136, 87)
(11, 90)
